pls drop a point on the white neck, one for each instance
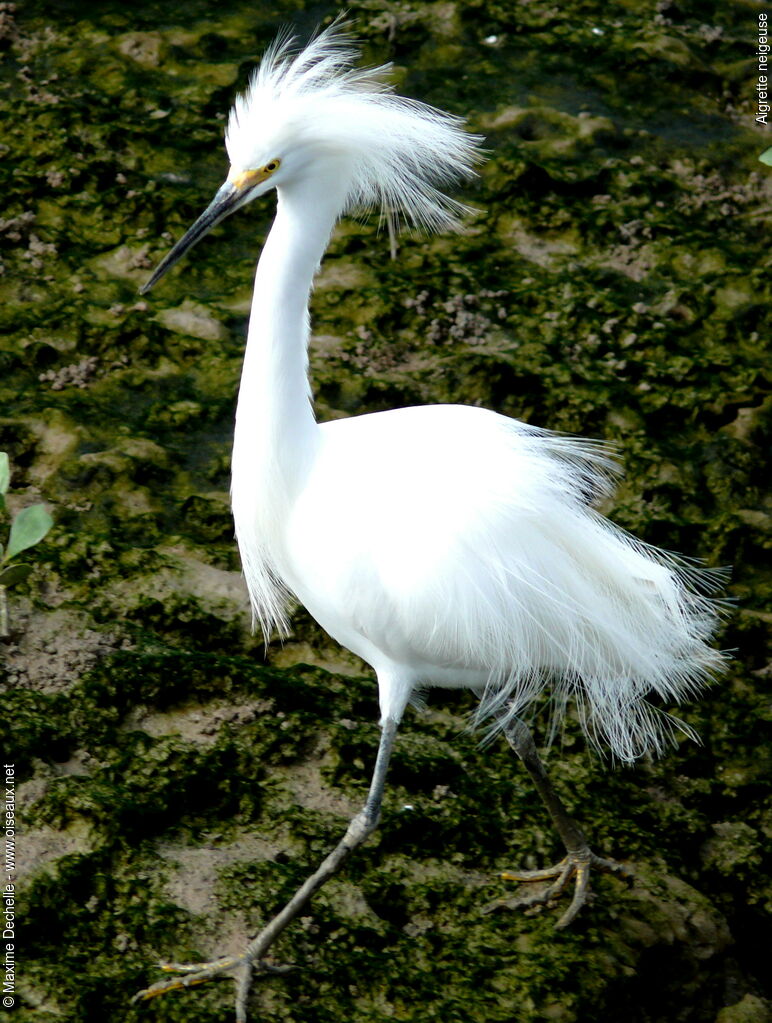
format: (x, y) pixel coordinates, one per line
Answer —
(276, 434)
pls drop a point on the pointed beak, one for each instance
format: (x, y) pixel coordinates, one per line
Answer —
(232, 195)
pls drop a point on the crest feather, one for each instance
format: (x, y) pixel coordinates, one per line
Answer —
(401, 153)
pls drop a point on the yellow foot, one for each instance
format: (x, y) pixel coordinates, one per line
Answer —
(574, 866)
(241, 967)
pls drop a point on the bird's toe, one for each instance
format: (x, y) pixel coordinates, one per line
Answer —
(574, 867)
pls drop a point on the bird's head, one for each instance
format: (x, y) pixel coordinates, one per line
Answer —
(313, 118)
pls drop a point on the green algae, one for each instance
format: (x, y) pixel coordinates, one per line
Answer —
(613, 282)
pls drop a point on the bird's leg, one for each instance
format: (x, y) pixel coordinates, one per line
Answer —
(579, 858)
(250, 961)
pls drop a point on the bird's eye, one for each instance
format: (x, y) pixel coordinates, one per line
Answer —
(272, 166)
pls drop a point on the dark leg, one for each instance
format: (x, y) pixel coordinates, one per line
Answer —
(250, 961)
(579, 857)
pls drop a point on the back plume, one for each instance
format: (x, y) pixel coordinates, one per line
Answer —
(400, 154)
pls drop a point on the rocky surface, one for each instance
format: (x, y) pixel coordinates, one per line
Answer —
(177, 781)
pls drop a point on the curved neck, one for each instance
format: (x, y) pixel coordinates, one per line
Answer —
(275, 425)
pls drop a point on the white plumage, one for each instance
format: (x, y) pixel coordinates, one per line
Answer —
(391, 153)
(445, 545)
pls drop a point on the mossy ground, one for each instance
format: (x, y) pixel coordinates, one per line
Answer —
(176, 783)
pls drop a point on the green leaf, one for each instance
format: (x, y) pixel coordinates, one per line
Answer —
(766, 157)
(28, 528)
(5, 472)
(14, 574)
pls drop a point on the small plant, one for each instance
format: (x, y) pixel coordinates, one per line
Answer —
(27, 528)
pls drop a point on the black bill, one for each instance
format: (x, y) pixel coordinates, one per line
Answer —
(228, 198)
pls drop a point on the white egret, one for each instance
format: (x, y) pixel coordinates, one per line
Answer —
(445, 545)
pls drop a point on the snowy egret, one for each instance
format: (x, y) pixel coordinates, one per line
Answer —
(445, 545)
